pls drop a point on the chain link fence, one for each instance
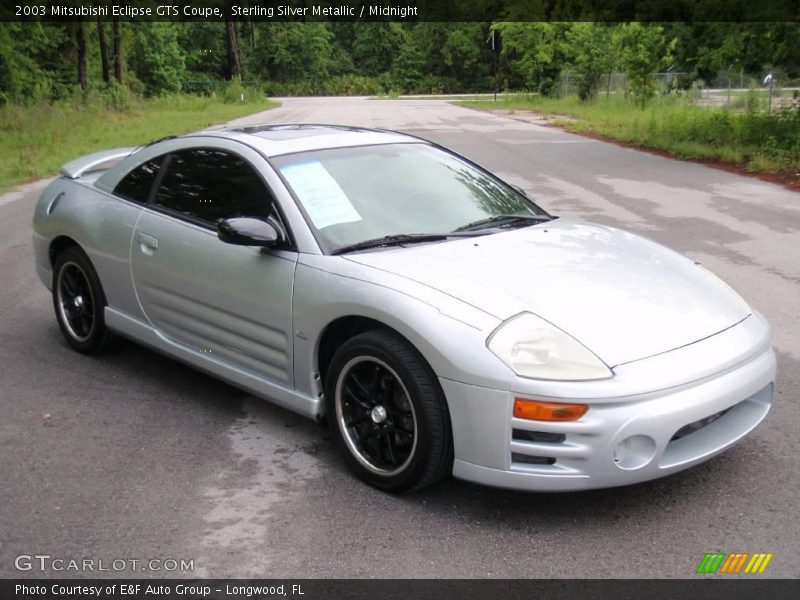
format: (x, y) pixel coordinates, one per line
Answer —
(731, 88)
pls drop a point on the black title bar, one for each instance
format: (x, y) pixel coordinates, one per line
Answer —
(402, 10)
(714, 587)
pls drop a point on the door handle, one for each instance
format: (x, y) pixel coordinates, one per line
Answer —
(147, 243)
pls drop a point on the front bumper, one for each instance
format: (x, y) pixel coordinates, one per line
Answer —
(494, 448)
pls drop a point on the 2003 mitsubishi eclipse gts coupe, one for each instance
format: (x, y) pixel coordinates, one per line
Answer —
(440, 320)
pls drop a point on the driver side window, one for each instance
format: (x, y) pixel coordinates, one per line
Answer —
(207, 184)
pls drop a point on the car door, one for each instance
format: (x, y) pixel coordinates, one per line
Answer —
(232, 303)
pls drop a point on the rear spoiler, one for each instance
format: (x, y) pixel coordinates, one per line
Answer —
(93, 162)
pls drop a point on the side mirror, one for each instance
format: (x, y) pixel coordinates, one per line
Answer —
(246, 231)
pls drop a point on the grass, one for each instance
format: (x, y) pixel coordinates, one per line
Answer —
(755, 141)
(36, 140)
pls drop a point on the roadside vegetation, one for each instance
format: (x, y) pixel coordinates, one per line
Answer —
(45, 60)
(37, 138)
(748, 138)
(644, 84)
(73, 87)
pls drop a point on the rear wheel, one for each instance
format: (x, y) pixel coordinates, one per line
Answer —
(79, 302)
(387, 413)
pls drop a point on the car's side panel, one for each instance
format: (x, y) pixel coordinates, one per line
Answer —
(449, 334)
(278, 394)
(100, 224)
(230, 302)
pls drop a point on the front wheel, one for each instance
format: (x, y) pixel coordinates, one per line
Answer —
(387, 412)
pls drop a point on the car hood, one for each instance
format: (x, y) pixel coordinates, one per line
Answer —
(622, 296)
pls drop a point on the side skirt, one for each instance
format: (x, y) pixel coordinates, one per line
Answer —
(146, 335)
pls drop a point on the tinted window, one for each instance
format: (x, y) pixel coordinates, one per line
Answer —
(136, 184)
(208, 184)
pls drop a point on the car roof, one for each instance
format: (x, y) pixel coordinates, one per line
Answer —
(269, 140)
(278, 139)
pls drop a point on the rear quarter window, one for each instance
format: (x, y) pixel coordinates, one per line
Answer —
(137, 184)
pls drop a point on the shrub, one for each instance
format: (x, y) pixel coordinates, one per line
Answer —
(342, 85)
(234, 91)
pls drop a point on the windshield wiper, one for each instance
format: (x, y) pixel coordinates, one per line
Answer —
(497, 219)
(397, 240)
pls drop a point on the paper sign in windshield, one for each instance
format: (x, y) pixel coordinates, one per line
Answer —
(321, 196)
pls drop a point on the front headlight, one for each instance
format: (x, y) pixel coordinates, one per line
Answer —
(535, 349)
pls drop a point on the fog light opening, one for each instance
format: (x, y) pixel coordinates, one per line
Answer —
(634, 452)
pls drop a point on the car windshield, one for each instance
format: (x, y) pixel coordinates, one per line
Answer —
(355, 195)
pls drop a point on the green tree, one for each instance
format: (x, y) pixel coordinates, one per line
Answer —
(536, 52)
(18, 70)
(644, 50)
(203, 46)
(408, 68)
(593, 55)
(156, 57)
(457, 55)
(375, 45)
(461, 55)
(293, 52)
(36, 61)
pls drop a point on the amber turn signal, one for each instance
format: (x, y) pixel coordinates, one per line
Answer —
(538, 410)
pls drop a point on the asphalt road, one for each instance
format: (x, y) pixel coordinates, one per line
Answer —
(143, 458)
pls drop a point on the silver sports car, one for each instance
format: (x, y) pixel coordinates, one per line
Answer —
(440, 320)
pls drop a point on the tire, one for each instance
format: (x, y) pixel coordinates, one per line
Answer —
(387, 413)
(79, 302)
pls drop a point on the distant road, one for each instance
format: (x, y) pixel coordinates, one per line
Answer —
(144, 458)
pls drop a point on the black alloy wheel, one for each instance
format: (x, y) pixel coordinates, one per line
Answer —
(79, 302)
(387, 412)
(375, 415)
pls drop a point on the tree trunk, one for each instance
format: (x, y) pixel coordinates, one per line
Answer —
(101, 40)
(83, 77)
(232, 44)
(117, 35)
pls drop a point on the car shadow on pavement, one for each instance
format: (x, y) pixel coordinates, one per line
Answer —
(178, 383)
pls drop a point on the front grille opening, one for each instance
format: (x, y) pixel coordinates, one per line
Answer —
(532, 460)
(697, 425)
(523, 435)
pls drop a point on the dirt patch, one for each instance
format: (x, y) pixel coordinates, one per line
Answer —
(529, 117)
